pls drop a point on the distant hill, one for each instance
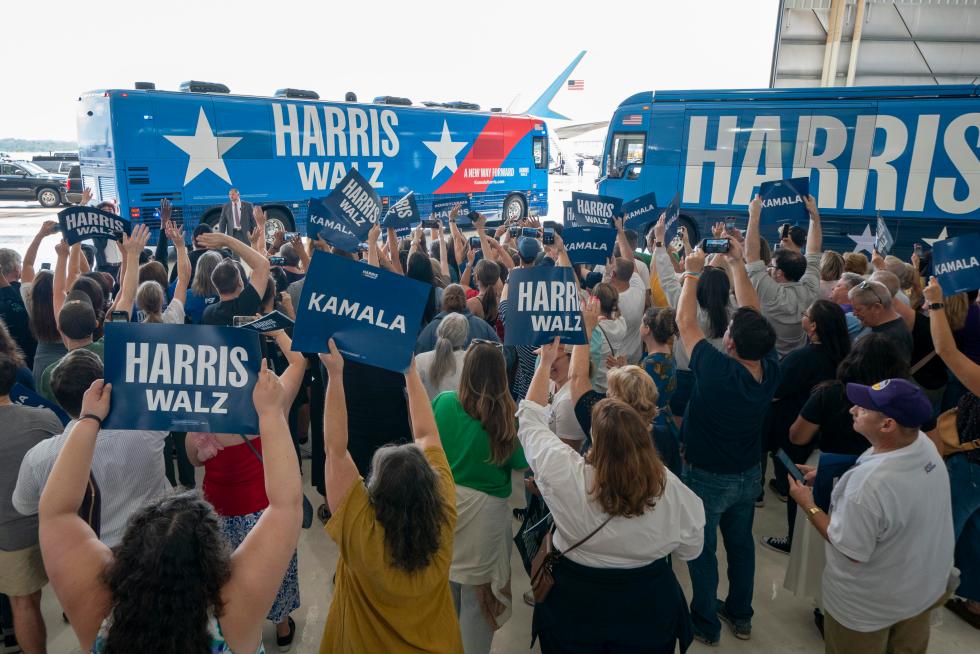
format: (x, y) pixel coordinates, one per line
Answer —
(36, 145)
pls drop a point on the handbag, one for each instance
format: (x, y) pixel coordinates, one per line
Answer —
(947, 437)
(542, 567)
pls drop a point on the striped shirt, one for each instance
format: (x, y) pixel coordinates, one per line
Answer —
(127, 466)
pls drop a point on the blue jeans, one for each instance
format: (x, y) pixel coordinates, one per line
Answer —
(729, 503)
(964, 481)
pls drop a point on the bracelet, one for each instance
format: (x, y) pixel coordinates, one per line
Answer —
(91, 416)
(812, 511)
(692, 275)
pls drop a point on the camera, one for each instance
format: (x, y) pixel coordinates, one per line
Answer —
(715, 245)
(514, 231)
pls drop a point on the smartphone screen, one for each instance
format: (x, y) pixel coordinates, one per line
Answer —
(238, 321)
(716, 245)
(475, 242)
(119, 316)
(548, 238)
(790, 466)
(530, 232)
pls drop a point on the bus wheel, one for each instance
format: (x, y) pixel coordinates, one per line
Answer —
(277, 219)
(514, 208)
(692, 229)
(48, 197)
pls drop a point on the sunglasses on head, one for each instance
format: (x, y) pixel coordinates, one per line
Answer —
(483, 341)
(866, 285)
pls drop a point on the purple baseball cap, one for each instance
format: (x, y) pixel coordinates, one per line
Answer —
(899, 399)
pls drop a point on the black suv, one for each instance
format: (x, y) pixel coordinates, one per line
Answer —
(75, 187)
(23, 180)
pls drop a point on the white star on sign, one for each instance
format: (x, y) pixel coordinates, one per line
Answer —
(932, 241)
(205, 150)
(445, 150)
(863, 241)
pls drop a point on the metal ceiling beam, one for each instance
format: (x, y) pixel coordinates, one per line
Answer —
(882, 39)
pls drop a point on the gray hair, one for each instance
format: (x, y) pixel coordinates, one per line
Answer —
(451, 336)
(150, 298)
(869, 292)
(905, 272)
(9, 261)
(889, 280)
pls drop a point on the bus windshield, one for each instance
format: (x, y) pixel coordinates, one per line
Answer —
(94, 128)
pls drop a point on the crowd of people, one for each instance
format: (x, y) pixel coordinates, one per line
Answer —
(856, 380)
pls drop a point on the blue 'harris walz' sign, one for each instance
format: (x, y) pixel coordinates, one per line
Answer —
(182, 377)
(544, 303)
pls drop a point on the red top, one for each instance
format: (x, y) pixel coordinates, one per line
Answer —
(234, 481)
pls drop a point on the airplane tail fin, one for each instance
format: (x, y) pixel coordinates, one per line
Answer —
(539, 108)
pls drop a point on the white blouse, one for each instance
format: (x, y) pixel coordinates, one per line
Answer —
(675, 525)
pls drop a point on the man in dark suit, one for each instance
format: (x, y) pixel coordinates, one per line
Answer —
(236, 218)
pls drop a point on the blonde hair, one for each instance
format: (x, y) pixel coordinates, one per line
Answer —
(957, 306)
(831, 266)
(632, 385)
(855, 262)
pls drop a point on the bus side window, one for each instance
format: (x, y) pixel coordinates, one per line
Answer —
(540, 152)
(627, 148)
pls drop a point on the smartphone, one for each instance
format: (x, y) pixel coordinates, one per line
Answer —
(784, 231)
(277, 261)
(475, 242)
(119, 316)
(548, 237)
(514, 231)
(716, 245)
(530, 232)
(917, 248)
(45, 266)
(431, 222)
(549, 224)
(730, 225)
(790, 466)
(288, 236)
(238, 321)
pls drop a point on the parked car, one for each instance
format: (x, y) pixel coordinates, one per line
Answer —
(75, 186)
(23, 180)
(56, 162)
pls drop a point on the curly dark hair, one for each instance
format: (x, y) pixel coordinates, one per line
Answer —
(167, 577)
(405, 494)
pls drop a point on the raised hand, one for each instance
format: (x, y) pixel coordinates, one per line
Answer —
(259, 214)
(590, 313)
(734, 253)
(86, 195)
(268, 393)
(48, 227)
(62, 249)
(213, 240)
(165, 210)
(718, 230)
(374, 233)
(618, 224)
(811, 207)
(755, 206)
(135, 242)
(333, 360)
(933, 292)
(175, 234)
(549, 352)
(660, 229)
(694, 262)
(95, 401)
(615, 361)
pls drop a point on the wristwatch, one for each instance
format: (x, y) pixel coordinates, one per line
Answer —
(812, 511)
(658, 244)
(936, 306)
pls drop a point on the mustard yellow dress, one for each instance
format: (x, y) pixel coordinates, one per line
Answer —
(377, 608)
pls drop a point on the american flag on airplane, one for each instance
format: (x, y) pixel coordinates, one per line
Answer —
(633, 119)
(576, 85)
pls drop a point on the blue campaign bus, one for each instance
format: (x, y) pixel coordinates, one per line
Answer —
(910, 153)
(141, 146)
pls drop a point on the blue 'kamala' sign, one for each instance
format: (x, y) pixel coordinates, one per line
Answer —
(20, 394)
(182, 377)
(333, 229)
(80, 223)
(543, 302)
(373, 315)
(639, 213)
(590, 245)
(782, 201)
(956, 265)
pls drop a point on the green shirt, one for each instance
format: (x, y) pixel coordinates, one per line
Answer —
(468, 449)
(44, 388)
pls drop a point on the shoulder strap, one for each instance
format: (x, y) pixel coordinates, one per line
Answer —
(612, 350)
(921, 362)
(594, 532)
(252, 447)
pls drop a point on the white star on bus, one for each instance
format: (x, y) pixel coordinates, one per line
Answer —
(205, 150)
(445, 150)
(863, 241)
(932, 241)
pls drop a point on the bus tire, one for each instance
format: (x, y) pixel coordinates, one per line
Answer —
(514, 207)
(48, 197)
(278, 218)
(693, 235)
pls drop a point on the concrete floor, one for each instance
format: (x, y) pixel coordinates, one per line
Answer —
(782, 623)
